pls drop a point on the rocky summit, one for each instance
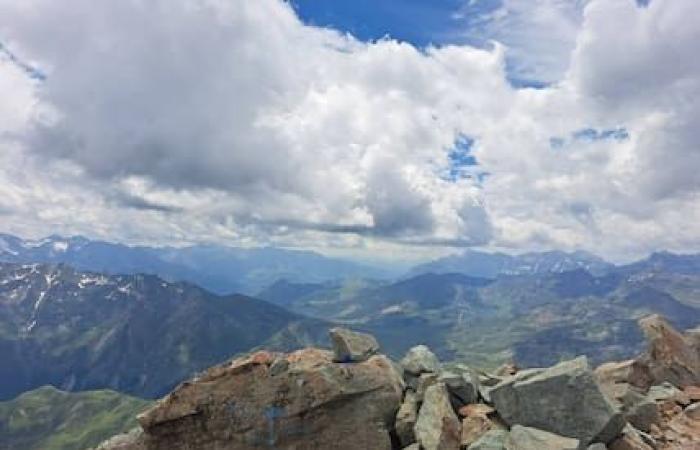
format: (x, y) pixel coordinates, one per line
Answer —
(354, 397)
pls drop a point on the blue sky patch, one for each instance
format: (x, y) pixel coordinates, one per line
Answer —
(462, 164)
(589, 135)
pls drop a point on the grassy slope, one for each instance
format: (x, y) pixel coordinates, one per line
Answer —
(49, 419)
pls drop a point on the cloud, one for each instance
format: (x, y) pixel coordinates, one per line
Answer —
(205, 120)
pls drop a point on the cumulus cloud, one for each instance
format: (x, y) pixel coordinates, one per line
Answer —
(188, 120)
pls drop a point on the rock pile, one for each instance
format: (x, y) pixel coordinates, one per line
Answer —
(356, 398)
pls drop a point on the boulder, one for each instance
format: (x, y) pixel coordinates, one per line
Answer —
(420, 359)
(351, 346)
(406, 419)
(437, 426)
(551, 400)
(669, 356)
(526, 438)
(412, 447)
(491, 440)
(313, 404)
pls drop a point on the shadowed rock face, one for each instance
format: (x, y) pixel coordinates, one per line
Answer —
(553, 400)
(295, 401)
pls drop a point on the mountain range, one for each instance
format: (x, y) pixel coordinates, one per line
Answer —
(219, 269)
(136, 334)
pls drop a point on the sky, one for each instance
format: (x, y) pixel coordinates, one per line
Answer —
(372, 129)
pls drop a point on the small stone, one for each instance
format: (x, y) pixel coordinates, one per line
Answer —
(693, 411)
(279, 366)
(667, 392)
(526, 438)
(420, 359)
(351, 346)
(597, 446)
(412, 447)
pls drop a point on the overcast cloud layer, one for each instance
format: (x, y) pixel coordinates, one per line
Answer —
(171, 121)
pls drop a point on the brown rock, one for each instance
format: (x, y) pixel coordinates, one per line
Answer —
(693, 393)
(309, 403)
(473, 427)
(476, 409)
(670, 357)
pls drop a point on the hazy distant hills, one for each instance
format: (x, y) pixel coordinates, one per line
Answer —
(49, 419)
(491, 265)
(133, 333)
(534, 319)
(219, 269)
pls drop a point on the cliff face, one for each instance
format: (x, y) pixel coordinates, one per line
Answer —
(355, 398)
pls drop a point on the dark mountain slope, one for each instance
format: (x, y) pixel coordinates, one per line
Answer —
(132, 333)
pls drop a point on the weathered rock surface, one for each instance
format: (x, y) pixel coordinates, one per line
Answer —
(491, 440)
(670, 356)
(406, 419)
(552, 400)
(314, 404)
(632, 439)
(420, 359)
(351, 346)
(437, 427)
(526, 438)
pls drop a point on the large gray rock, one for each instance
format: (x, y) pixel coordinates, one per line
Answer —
(526, 438)
(491, 440)
(437, 427)
(420, 359)
(406, 419)
(351, 346)
(564, 399)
